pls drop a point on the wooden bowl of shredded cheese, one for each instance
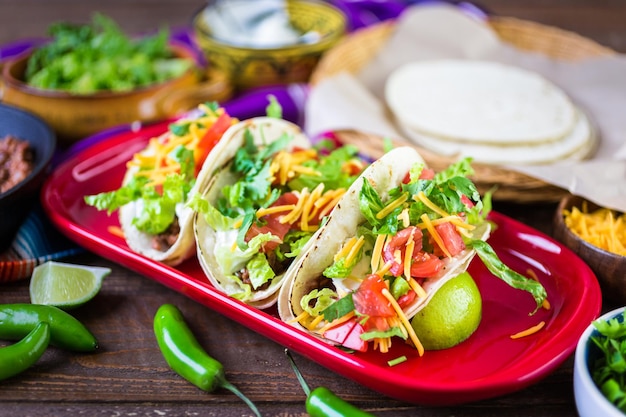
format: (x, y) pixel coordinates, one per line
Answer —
(598, 235)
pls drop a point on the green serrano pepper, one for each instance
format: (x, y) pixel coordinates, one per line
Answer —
(22, 355)
(17, 320)
(185, 356)
(322, 402)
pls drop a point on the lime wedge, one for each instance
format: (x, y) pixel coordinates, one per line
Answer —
(65, 285)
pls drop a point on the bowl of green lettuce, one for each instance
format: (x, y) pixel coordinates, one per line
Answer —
(90, 77)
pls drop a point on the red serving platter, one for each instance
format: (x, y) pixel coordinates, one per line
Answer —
(489, 364)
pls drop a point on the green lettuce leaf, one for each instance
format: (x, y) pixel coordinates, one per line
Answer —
(323, 299)
(375, 334)
(259, 270)
(489, 257)
(231, 261)
(213, 217)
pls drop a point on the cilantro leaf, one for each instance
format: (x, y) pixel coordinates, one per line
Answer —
(84, 59)
(608, 370)
(339, 308)
(274, 109)
(330, 170)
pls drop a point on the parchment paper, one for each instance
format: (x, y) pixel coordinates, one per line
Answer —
(597, 85)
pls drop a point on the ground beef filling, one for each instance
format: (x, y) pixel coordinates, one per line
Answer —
(16, 162)
(163, 241)
(277, 266)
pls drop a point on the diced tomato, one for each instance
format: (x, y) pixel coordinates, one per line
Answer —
(348, 334)
(369, 299)
(406, 299)
(211, 137)
(398, 243)
(426, 174)
(451, 237)
(272, 223)
(373, 323)
(352, 167)
(425, 265)
(465, 200)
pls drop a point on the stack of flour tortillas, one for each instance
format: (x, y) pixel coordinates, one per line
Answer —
(495, 113)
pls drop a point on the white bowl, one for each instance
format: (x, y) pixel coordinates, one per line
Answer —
(590, 401)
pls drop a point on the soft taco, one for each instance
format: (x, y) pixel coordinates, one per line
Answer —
(159, 182)
(269, 194)
(396, 236)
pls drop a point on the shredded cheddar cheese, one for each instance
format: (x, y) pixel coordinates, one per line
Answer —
(404, 217)
(154, 161)
(422, 197)
(377, 252)
(116, 231)
(317, 320)
(385, 268)
(408, 256)
(421, 293)
(546, 304)
(286, 164)
(392, 206)
(295, 213)
(306, 208)
(345, 249)
(602, 228)
(336, 322)
(436, 237)
(300, 318)
(275, 209)
(405, 321)
(529, 331)
(355, 250)
(326, 207)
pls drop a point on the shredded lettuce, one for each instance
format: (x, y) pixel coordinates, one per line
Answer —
(158, 208)
(293, 243)
(259, 270)
(375, 334)
(231, 261)
(489, 257)
(113, 200)
(323, 299)
(212, 216)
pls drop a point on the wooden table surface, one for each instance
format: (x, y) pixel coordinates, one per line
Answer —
(128, 376)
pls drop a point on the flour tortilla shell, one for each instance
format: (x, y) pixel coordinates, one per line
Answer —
(479, 101)
(577, 145)
(384, 175)
(265, 130)
(141, 242)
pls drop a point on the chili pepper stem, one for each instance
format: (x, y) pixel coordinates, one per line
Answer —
(303, 383)
(232, 388)
(321, 402)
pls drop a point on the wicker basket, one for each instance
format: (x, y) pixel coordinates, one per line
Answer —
(355, 51)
